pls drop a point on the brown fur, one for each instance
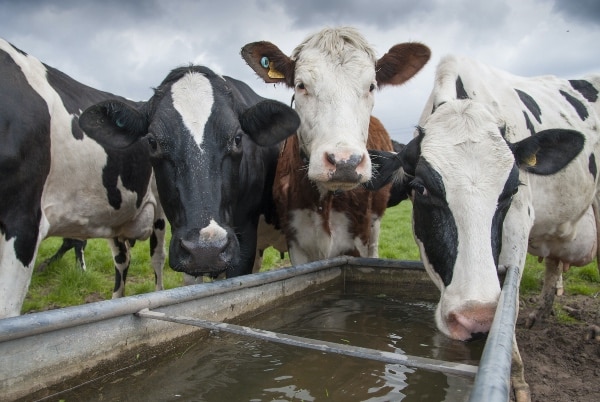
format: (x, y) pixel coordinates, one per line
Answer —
(292, 190)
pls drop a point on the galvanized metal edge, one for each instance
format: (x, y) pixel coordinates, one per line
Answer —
(492, 382)
(52, 320)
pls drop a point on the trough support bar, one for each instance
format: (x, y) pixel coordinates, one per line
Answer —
(464, 370)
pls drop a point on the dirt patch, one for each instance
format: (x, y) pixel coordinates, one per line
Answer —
(562, 361)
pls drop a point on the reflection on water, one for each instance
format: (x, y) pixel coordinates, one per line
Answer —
(230, 368)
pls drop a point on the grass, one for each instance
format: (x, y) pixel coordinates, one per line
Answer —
(64, 284)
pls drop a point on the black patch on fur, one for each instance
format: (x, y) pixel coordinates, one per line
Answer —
(592, 166)
(531, 105)
(433, 221)
(576, 103)
(586, 89)
(528, 123)
(461, 93)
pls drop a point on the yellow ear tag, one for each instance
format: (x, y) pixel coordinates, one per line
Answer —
(272, 73)
(531, 161)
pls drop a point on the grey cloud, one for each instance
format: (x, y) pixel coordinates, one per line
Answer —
(380, 14)
(587, 11)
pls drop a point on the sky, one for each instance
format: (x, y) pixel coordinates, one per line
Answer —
(127, 47)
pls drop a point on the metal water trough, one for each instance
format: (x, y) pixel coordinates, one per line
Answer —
(40, 351)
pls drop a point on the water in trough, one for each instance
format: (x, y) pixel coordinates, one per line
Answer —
(225, 367)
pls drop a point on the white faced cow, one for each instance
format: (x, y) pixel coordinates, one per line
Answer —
(334, 74)
(56, 181)
(501, 165)
(213, 145)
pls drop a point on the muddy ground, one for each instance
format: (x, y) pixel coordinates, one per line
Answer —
(562, 361)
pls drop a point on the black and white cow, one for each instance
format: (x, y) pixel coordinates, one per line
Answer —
(501, 165)
(56, 181)
(213, 144)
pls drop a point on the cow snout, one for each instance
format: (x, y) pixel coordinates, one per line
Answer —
(342, 168)
(471, 322)
(209, 251)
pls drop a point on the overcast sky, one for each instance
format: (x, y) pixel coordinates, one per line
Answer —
(128, 46)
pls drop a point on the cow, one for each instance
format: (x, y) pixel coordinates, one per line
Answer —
(323, 208)
(78, 247)
(213, 144)
(500, 166)
(56, 181)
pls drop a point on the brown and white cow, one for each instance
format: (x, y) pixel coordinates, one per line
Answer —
(324, 210)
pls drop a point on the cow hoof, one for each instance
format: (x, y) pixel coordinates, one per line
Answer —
(522, 393)
(531, 319)
(593, 332)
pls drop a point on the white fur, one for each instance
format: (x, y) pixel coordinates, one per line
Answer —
(336, 103)
(475, 161)
(74, 199)
(318, 244)
(193, 99)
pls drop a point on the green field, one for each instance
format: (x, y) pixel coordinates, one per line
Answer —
(64, 284)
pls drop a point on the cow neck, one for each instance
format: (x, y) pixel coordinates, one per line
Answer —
(305, 192)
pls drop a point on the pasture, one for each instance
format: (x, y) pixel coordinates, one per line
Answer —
(64, 284)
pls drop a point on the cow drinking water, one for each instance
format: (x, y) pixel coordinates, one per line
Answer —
(500, 166)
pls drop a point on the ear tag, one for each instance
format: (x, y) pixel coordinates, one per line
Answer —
(273, 73)
(531, 160)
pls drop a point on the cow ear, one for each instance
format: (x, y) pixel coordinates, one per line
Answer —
(397, 167)
(270, 63)
(113, 124)
(269, 122)
(401, 63)
(548, 151)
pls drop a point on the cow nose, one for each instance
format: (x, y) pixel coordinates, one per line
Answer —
(206, 253)
(471, 322)
(345, 168)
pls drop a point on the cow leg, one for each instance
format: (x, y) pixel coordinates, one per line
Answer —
(14, 279)
(121, 258)
(79, 249)
(517, 375)
(596, 210)
(544, 309)
(560, 288)
(157, 252)
(373, 250)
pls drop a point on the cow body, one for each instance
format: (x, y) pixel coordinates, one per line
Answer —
(334, 74)
(501, 165)
(214, 145)
(56, 181)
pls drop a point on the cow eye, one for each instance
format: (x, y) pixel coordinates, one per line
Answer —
(152, 142)
(372, 87)
(237, 139)
(419, 188)
(300, 86)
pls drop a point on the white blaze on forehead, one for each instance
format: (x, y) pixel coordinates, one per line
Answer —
(193, 99)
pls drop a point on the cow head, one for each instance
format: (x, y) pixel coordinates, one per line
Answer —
(198, 127)
(464, 180)
(334, 74)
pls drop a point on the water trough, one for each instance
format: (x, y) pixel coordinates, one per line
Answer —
(41, 353)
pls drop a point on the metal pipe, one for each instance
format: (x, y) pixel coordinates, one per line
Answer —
(324, 346)
(492, 383)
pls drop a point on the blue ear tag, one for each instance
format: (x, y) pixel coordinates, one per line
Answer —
(264, 61)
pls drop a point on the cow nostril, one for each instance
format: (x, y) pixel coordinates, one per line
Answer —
(331, 158)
